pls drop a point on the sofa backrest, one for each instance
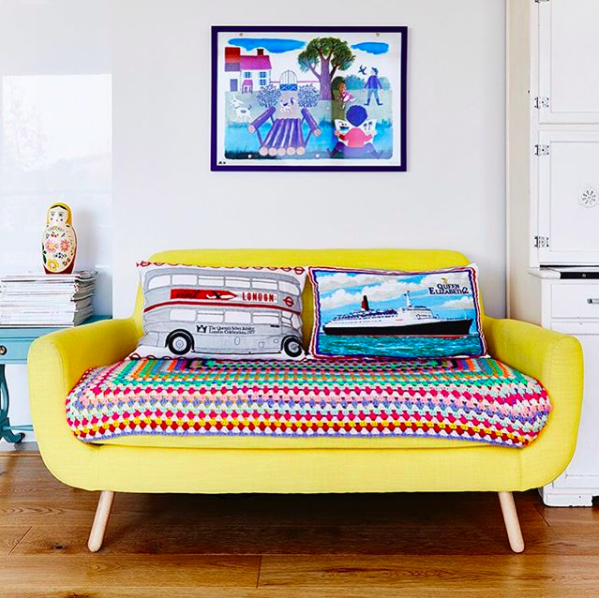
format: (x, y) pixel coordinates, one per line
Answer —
(383, 259)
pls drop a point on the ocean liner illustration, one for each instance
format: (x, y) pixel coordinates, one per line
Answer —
(411, 320)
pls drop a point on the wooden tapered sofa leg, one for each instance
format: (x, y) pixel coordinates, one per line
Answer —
(512, 523)
(96, 536)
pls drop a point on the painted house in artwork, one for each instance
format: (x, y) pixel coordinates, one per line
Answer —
(247, 72)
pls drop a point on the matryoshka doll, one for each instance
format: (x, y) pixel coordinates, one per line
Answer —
(59, 243)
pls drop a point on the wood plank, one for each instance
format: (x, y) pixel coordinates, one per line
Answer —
(288, 592)
(372, 509)
(23, 488)
(413, 576)
(313, 545)
(123, 538)
(24, 511)
(27, 506)
(212, 592)
(569, 516)
(146, 592)
(10, 536)
(207, 538)
(102, 572)
(13, 467)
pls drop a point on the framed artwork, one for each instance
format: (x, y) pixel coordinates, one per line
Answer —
(309, 98)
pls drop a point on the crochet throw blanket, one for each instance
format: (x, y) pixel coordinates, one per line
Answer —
(481, 400)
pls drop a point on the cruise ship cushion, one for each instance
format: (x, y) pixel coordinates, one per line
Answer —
(310, 402)
(381, 313)
(228, 313)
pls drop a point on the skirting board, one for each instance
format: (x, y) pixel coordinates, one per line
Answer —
(566, 498)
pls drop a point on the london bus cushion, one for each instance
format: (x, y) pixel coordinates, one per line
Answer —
(389, 314)
(226, 313)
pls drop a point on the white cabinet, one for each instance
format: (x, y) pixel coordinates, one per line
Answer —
(568, 59)
(573, 304)
(553, 196)
(580, 482)
(568, 203)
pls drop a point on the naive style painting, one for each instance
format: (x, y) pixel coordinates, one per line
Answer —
(309, 98)
(409, 315)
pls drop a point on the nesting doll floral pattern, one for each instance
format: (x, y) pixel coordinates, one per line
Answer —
(59, 244)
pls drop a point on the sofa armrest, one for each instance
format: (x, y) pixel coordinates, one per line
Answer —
(556, 361)
(55, 364)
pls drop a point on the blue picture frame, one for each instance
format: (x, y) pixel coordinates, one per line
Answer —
(309, 98)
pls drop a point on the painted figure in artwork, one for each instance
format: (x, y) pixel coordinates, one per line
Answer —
(59, 243)
(242, 112)
(373, 84)
(344, 96)
(355, 135)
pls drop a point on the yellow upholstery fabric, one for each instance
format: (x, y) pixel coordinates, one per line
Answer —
(270, 443)
(57, 361)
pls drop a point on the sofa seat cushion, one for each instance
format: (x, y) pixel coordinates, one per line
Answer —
(313, 403)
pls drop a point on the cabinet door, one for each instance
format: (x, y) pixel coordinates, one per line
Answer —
(569, 198)
(583, 471)
(568, 61)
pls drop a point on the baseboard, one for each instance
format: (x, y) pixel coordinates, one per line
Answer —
(23, 448)
(561, 498)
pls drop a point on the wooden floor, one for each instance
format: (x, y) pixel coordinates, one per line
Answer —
(285, 546)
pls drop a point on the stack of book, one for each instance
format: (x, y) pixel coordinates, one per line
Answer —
(47, 300)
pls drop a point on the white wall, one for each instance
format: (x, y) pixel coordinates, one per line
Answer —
(55, 132)
(55, 140)
(166, 197)
(163, 194)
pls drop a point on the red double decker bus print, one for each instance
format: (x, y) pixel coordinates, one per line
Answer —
(222, 297)
(203, 294)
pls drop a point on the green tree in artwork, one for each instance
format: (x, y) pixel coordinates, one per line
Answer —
(324, 56)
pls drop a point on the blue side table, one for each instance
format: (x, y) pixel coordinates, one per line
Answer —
(14, 346)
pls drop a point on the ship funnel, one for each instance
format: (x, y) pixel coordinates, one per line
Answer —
(408, 300)
(365, 305)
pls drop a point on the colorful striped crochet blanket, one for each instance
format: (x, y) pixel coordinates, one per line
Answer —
(481, 400)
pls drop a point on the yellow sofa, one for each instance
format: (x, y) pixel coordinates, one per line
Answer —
(221, 465)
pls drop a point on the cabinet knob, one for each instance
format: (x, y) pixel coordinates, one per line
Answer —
(3, 350)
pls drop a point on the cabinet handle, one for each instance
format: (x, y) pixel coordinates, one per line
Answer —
(3, 350)
(593, 301)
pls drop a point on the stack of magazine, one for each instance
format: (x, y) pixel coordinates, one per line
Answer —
(47, 300)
